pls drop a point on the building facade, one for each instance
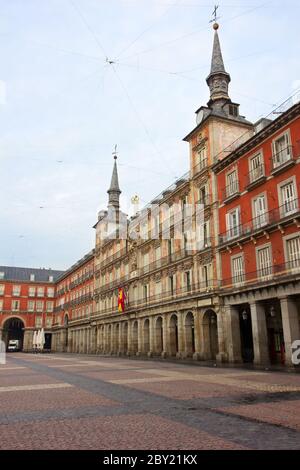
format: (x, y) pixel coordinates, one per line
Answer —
(259, 241)
(74, 307)
(209, 269)
(27, 299)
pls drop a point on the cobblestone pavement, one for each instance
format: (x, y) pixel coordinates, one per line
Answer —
(93, 402)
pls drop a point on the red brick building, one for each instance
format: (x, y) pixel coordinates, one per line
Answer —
(27, 299)
(259, 243)
(74, 306)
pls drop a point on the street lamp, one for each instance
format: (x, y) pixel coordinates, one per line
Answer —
(244, 315)
(272, 311)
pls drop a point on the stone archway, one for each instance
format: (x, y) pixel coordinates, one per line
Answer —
(13, 329)
(159, 341)
(173, 335)
(189, 329)
(146, 336)
(210, 335)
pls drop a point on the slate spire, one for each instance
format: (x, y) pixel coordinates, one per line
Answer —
(114, 190)
(218, 79)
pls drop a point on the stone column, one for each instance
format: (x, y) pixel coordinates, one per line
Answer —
(181, 341)
(259, 333)
(291, 327)
(222, 356)
(140, 338)
(130, 339)
(151, 337)
(198, 335)
(233, 335)
(166, 334)
(27, 340)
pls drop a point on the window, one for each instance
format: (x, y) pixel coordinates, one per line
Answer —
(49, 322)
(16, 291)
(188, 280)
(2, 289)
(282, 151)
(1, 305)
(257, 169)
(32, 277)
(233, 110)
(39, 306)
(31, 292)
(15, 305)
(30, 306)
(158, 288)
(50, 292)
(38, 322)
(40, 291)
(171, 284)
(233, 223)
(201, 158)
(204, 236)
(293, 252)
(260, 215)
(50, 278)
(1, 275)
(145, 293)
(264, 261)
(237, 269)
(288, 198)
(232, 184)
(49, 306)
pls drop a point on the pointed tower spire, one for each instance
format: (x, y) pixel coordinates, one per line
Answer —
(114, 190)
(218, 79)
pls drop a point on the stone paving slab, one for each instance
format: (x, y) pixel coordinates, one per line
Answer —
(122, 432)
(116, 403)
(283, 414)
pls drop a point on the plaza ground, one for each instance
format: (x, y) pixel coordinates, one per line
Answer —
(92, 402)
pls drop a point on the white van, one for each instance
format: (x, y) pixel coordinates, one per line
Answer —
(14, 345)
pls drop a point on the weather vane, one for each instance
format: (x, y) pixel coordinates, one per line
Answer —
(115, 153)
(215, 16)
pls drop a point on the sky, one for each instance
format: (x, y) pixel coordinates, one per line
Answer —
(64, 106)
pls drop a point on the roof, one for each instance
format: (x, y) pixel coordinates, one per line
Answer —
(89, 256)
(23, 274)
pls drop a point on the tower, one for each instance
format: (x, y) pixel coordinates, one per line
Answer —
(218, 79)
(114, 189)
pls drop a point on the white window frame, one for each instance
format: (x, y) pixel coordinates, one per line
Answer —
(264, 272)
(293, 204)
(234, 184)
(240, 278)
(260, 220)
(286, 239)
(233, 231)
(260, 167)
(275, 154)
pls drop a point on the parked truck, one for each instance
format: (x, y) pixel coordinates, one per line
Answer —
(14, 345)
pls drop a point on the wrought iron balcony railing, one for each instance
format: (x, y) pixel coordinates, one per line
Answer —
(288, 210)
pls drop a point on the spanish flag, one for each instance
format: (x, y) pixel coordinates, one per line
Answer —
(121, 300)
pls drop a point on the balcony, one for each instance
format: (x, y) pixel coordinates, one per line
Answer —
(282, 160)
(231, 191)
(267, 274)
(169, 296)
(282, 214)
(201, 166)
(255, 177)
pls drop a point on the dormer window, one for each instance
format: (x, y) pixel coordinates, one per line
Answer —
(233, 110)
(32, 277)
